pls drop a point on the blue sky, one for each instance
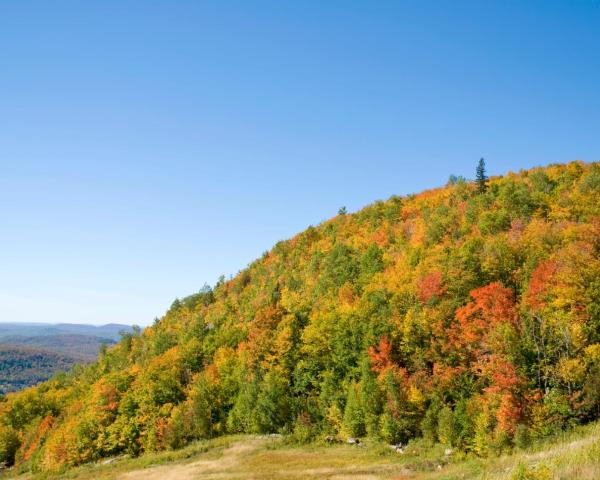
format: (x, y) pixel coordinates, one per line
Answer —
(148, 147)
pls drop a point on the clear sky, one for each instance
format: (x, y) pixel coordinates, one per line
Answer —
(148, 147)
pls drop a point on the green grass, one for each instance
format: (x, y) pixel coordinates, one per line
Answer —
(572, 455)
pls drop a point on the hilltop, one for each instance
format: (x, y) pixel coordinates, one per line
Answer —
(467, 315)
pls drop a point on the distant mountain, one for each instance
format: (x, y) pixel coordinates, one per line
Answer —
(32, 352)
(110, 331)
(22, 366)
(83, 348)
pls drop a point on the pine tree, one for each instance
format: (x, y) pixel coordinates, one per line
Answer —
(481, 178)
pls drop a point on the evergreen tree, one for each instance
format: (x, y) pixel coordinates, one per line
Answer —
(481, 178)
(354, 418)
(370, 397)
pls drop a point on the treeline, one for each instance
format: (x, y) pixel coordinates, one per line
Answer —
(469, 315)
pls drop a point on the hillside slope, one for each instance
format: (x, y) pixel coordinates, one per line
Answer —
(470, 317)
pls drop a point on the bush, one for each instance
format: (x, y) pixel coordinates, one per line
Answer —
(522, 437)
(523, 472)
(304, 430)
(394, 430)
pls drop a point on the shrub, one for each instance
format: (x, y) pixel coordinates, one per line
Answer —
(523, 472)
(522, 437)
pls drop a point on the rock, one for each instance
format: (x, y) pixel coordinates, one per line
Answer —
(448, 452)
(353, 441)
(108, 461)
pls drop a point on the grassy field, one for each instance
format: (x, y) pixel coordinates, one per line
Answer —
(575, 455)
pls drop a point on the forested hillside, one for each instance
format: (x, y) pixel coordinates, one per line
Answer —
(27, 361)
(468, 314)
(22, 367)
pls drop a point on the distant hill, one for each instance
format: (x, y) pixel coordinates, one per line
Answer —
(110, 331)
(33, 352)
(22, 366)
(83, 348)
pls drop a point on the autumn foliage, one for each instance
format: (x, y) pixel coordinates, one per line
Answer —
(462, 315)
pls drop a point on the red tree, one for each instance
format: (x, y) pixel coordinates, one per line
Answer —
(430, 287)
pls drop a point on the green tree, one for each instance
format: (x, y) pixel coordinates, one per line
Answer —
(481, 177)
(370, 399)
(9, 443)
(371, 261)
(429, 424)
(447, 428)
(354, 419)
(240, 418)
(398, 422)
(202, 407)
(389, 430)
(273, 403)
